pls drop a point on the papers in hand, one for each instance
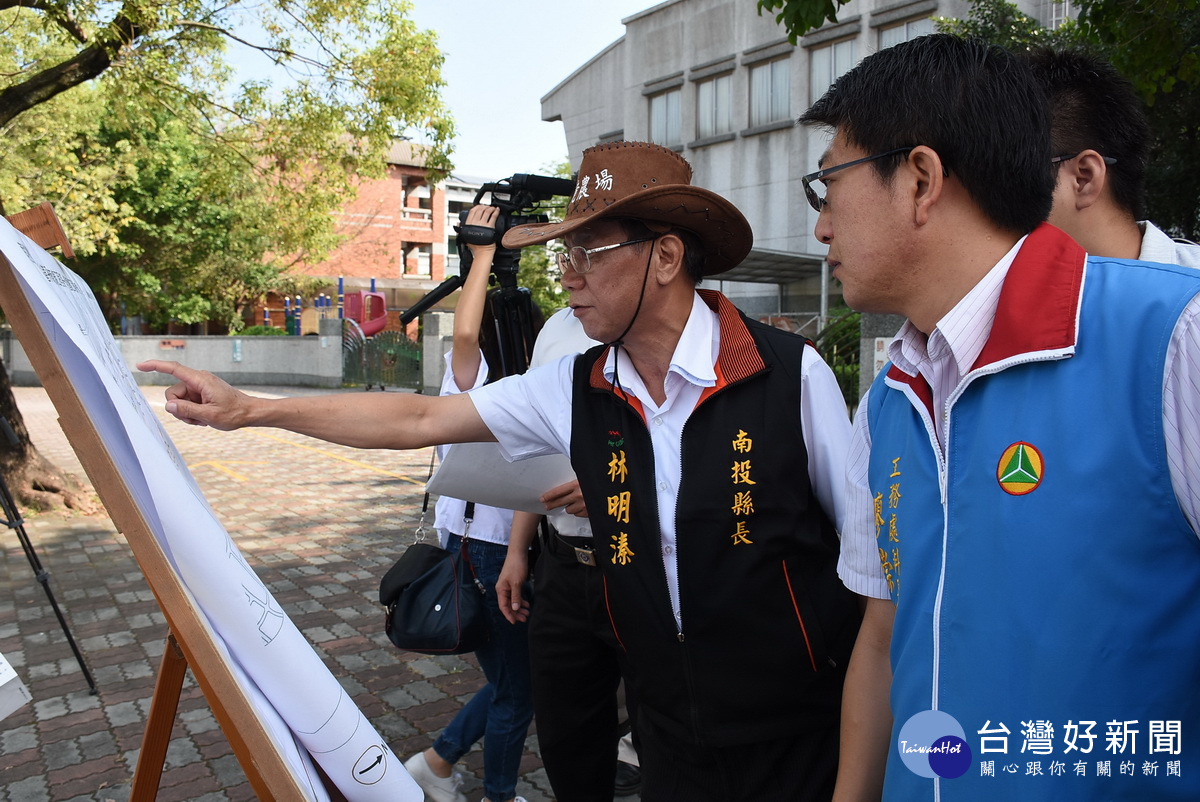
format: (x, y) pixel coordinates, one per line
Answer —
(478, 472)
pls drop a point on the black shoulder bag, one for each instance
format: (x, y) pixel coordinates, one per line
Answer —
(434, 600)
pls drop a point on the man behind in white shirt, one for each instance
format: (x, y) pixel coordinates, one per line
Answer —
(1101, 142)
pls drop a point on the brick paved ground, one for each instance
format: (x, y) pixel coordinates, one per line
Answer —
(319, 523)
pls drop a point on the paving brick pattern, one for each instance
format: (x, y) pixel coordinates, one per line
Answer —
(319, 523)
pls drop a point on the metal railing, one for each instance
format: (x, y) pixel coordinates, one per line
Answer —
(389, 359)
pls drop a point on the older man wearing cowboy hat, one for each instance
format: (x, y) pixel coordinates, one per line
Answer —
(710, 453)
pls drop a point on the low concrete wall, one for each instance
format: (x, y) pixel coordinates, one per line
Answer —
(312, 361)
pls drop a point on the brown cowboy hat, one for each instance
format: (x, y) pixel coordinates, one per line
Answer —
(648, 182)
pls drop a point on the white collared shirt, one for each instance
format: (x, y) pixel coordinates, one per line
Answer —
(1158, 247)
(563, 335)
(965, 330)
(530, 415)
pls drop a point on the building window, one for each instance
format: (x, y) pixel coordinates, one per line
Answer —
(1060, 12)
(828, 64)
(713, 115)
(417, 260)
(452, 263)
(904, 32)
(664, 118)
(770, 92)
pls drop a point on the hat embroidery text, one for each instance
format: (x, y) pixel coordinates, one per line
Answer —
(581, 190)
(604, 181)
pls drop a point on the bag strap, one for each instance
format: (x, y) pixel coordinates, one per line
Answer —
(468, 517)
(419, 535)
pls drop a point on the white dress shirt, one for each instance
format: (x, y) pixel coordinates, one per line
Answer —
(563, 335)
(947, 356)
(490, 523)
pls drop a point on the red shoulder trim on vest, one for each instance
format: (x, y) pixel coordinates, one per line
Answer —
(1039, 303)
(739, 356)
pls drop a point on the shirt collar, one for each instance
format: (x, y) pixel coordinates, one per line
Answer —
(963, 330)
(694, 354)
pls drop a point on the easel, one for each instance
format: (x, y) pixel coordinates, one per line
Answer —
(189, 641)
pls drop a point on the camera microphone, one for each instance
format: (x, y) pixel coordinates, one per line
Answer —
(544, 185)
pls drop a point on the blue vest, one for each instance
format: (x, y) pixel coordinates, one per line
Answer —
(1046, 577)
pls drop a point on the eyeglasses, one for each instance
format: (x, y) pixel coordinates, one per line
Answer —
(579, 258)
(1109, 160)
(815, 200)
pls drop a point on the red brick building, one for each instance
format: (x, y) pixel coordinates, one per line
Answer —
(399, 238)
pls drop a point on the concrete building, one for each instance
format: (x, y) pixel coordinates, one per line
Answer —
(723, 86)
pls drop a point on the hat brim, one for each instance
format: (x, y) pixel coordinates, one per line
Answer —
(721, 228)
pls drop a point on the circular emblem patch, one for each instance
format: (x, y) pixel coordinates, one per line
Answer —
(1020, 469)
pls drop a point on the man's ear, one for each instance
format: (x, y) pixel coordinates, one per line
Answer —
(929, 175)
(1087, 175)
(669, 260)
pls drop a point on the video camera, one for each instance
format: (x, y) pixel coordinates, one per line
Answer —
(517, 198)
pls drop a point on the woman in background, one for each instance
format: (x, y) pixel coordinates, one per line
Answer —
(500, 711)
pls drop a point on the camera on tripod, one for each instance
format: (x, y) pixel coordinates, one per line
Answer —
(517, 198)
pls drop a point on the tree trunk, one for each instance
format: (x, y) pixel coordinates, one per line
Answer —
(36, 484)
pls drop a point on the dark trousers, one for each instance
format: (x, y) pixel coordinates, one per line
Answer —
(795, 769)
(577, 665)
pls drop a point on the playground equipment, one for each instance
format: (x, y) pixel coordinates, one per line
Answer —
(367, 309)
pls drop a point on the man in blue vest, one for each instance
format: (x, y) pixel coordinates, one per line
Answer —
(1023, 486)
(710, 451)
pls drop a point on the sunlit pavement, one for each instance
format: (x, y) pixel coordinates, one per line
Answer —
(319, 523)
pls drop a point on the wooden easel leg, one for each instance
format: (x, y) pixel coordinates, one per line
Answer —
(163, 706)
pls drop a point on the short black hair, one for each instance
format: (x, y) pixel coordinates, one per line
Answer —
(972, 102)
(1092, 106)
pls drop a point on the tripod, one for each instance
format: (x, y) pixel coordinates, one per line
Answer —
(12, 519)
(512, 310)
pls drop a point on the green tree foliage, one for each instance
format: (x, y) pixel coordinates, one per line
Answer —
(184, 193)
(1154, 43)
(538, 270)
(798, 17)
(355, 75)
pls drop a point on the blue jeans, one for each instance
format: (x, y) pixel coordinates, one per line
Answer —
(500, 711)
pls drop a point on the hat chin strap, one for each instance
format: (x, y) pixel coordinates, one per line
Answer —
(617, 342)
(620, 339)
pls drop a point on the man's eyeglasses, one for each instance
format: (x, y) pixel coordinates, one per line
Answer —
(579, 258)
(1109, 160)
(818, 202)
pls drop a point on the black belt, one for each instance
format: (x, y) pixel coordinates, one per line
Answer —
(581, 549)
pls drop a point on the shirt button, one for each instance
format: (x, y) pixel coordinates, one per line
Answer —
(662, 486)
(658, 421)
(667, 550)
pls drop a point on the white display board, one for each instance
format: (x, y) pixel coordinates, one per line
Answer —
(286, 708)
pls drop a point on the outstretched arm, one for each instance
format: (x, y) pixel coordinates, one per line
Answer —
(361, 420)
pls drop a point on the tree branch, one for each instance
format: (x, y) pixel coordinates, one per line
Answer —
(58, 14)
(85, 65)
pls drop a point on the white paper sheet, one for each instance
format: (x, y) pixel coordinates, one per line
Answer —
(301, 704)
(479, 472)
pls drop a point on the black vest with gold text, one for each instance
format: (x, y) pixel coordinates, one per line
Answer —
(767, 625)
